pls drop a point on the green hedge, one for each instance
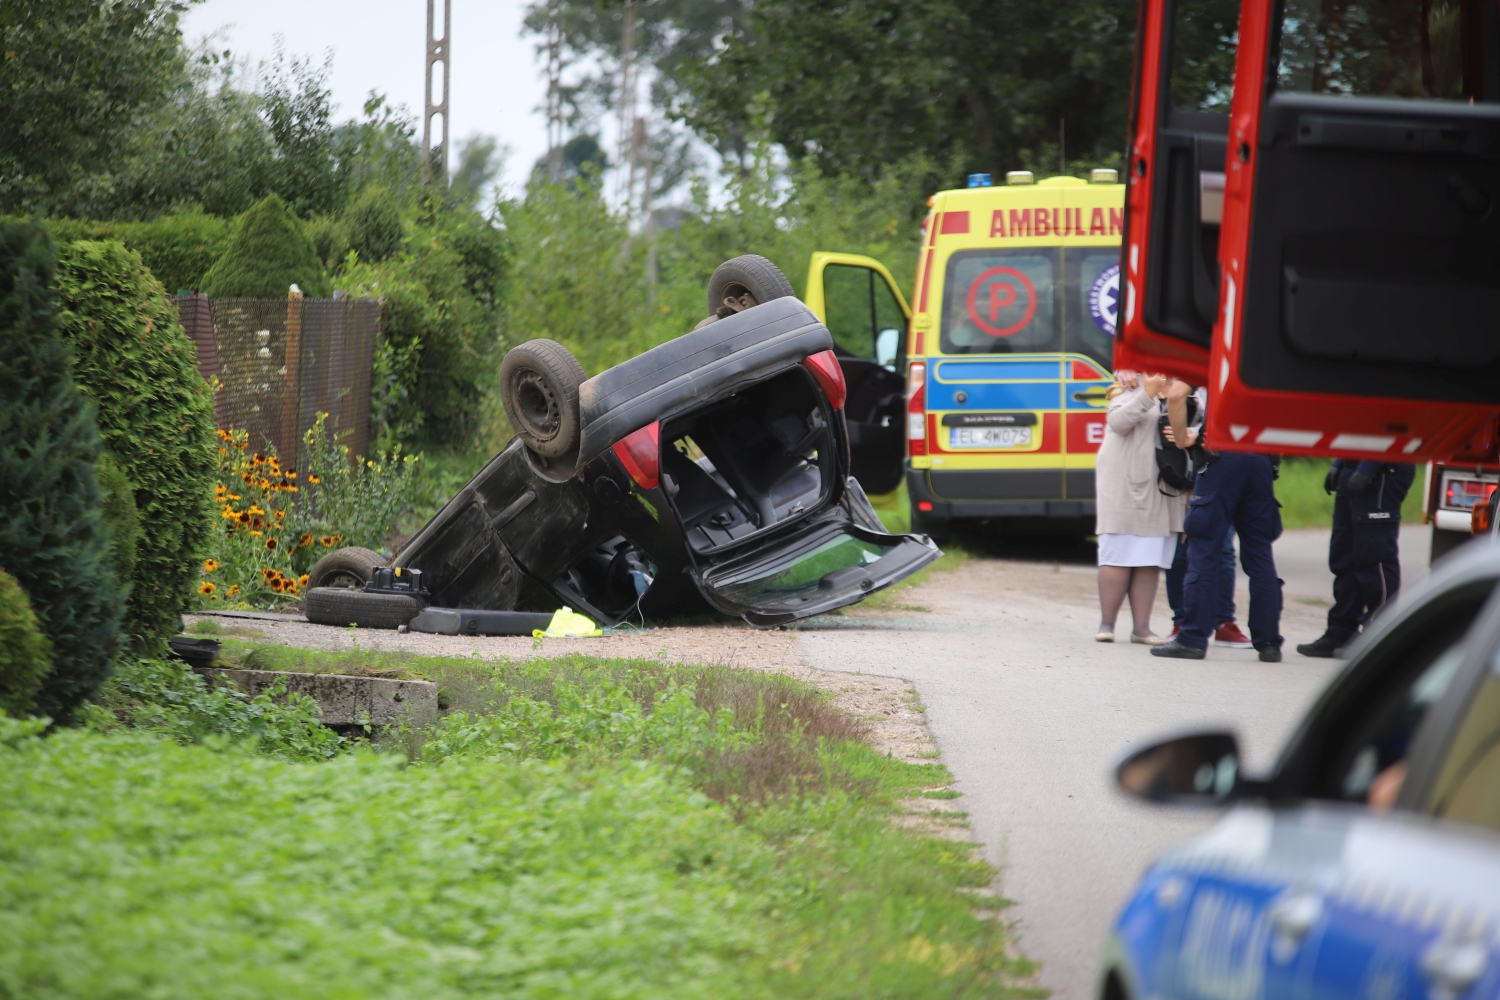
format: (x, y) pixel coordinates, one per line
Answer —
(156, 417)
(52, 537)
(270, 252)
(25, 654)
(178, 249)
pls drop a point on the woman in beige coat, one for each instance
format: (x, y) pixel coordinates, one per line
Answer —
(1136, 523)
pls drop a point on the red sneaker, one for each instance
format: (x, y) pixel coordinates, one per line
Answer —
(1175, 630)
(1230, 636)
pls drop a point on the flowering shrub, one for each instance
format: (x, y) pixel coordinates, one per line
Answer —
(275, 525)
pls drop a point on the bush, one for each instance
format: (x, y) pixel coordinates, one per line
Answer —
(177, 249)
(25, 654)
(374, 225)
(131, 356)
(167, 698)
(52, 536)
(440, 342)
(270, 251)
(121, 518)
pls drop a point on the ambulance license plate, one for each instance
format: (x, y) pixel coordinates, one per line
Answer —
(989, 437)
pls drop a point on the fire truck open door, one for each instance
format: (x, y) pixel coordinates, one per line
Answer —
(1325, 257)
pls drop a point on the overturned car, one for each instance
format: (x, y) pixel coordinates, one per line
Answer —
(710, 472)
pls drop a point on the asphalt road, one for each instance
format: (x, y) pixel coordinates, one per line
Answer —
(1030, 714)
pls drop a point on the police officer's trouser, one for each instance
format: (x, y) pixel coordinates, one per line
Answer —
(1234, 491)
(1364, 551)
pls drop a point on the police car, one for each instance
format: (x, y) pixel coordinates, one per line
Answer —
(1368, 863)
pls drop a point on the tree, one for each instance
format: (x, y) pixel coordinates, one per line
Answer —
(25, 653)
(52, 536)
(375, 228)
(983, 85)
(156, 418)
(78, 77)
(269, 252)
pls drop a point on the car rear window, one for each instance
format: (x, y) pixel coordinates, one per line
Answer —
(799, 578)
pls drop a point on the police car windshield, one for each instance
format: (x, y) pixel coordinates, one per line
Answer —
(1012, 301)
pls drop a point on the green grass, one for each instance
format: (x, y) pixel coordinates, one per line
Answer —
(572, 828)
(1305, 505)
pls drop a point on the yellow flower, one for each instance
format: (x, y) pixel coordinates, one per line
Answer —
(281, 515)
(302, 579)
(255, 534)
(312, 477)
(271, 544)
(209, 565)
(206, 588)
(233, 591)
(305, 539)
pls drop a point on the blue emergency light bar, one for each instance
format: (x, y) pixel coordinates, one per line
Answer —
(980, 181)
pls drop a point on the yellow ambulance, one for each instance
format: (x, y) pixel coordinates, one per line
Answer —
(1008, 353)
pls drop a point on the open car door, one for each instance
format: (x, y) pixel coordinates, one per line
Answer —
(858, 301)
(1341, 218)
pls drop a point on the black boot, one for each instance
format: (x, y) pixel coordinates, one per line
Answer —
(1269, 652)
(1325, 646)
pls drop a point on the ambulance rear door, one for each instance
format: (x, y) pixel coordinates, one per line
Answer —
(1360, 243)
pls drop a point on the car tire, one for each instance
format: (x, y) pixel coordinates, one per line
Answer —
(539, 383)
(337, 606)
(743, 282)
(349, 568)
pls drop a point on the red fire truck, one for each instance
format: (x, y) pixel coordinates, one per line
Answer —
(1311, 228)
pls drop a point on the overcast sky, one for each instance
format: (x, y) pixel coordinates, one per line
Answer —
(380, 44)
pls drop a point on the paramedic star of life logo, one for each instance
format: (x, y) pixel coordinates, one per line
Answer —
(1104, 299)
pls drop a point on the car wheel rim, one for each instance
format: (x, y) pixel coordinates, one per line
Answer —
(537, 406)
(736, 298)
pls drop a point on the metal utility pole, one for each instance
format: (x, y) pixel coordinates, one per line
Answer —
(554, 92)
(437, 52)
(629, 157)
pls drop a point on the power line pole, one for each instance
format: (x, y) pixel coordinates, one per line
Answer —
(437, 52)
(629, 157)
(554, 92)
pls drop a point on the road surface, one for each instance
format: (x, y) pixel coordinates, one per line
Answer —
(1030, 713)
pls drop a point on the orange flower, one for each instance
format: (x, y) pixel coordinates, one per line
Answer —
(281, 515)
(305, 538)
(209, 565)
(268, 572)
(243, 517)
(271, 544)
(233, 591)
(302, 579)
(206, 588)
(278, 584)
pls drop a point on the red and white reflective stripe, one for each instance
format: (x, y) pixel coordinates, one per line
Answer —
(1288, 437)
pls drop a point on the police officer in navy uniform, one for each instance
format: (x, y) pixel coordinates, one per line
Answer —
(1234, 490)
(1364, 551)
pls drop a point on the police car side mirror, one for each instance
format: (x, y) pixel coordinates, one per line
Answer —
(1202, 769)
(887, 344)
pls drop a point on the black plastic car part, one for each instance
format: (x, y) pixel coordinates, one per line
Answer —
(696, 368)
(458, 621)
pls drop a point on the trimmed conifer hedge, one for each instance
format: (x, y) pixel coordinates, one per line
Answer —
(269, 252)
(52, 537)
(156, 418)
(25, 654)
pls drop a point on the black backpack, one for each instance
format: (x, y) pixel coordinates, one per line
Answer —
(1176, 468)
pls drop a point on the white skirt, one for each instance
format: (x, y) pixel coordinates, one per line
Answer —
(1137, 550)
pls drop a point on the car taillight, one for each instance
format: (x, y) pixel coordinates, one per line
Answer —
(1465, 493)
(640, 453)
(916, 408)
(829, 375)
